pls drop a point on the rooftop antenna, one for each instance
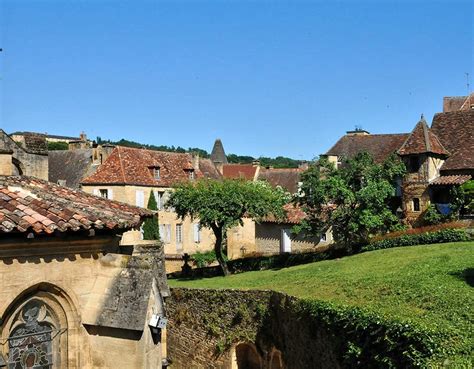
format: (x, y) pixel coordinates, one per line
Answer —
(468, 85)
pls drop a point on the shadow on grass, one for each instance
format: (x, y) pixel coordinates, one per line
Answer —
(466, 275)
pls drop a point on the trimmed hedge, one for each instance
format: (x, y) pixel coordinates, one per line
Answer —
(442, 236)
(369, 340)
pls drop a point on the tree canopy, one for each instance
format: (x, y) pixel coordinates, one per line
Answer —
(220, 205)
(355, 201)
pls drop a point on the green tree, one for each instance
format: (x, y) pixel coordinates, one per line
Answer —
(220, 205)
(354, 200)
(151, 230)
(52, 146)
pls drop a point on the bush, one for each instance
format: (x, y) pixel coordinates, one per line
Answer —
(204, 259)
(53, 146)
(432, 216)
(441, 236)
(151, 229)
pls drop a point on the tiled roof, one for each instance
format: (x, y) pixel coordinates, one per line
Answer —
(422, 140)
(208, 169)
(218, 153)
(243, 171)
(450, 180)
(455, 130)
(30, 204)
(294, 215)
(22, 133)
(70, 166)
(286, 178)
(132, 166)
(380, 146)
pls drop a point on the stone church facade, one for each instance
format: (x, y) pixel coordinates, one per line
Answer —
(73, 296)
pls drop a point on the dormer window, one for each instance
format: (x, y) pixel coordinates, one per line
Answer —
(155, 172)
(413, 164)
(191, 174)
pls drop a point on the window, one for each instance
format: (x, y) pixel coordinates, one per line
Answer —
(165, 233)
(155, 172)
(191, 175)
(159, 197)
(324, 237)
(179, 236)
(197, 232)
(140, 198)
(413, 164)
(416, 204)
(104, 193)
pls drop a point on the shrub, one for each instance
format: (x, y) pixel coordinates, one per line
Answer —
(53, 146)
(441, 236)
(151, 230)
(204, 259)
(432, 216)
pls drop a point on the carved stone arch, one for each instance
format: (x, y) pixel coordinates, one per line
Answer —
(245, 355)
(39, 328)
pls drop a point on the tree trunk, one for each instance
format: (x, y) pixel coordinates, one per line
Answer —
(218, 249)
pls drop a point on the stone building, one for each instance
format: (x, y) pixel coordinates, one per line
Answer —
(28, 156)
(129, 175)
(73, 296)
(437, 158)
(19, 136)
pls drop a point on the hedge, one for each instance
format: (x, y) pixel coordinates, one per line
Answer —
(370, 340)
(442, 236)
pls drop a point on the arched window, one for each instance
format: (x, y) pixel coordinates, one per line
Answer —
(33, 334)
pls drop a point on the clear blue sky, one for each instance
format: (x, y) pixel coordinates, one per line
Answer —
(268, 78)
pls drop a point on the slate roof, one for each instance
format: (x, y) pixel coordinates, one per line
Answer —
(380, 146)
(71, 166)
(287, 178)
(422, 140)
(455, 130)
(30, 204)
(133, 166)
(218, 153)
(450, 180)
(242, 171)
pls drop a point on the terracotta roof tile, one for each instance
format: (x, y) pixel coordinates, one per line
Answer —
(287, 178)
(132, 166)
(48, 207)
(456, 132)
(450, 180)
(380, 146)
(243, 171)
(422, 140)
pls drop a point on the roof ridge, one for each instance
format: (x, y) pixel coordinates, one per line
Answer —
(426, 135)
(121, 164)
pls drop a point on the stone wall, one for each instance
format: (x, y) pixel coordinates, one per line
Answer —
(220, 329)
(268, 239)
(102, 299)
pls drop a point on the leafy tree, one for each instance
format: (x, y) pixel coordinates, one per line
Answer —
(220, 205)
(151, 230)
(354, 200)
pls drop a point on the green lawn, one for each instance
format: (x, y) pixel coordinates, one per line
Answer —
(430, 284)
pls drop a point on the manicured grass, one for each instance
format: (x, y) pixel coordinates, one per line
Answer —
(429, 284)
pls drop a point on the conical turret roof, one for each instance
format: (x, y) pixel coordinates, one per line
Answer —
(218, 153)
(422, 140)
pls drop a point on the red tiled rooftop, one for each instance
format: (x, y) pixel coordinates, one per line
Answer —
(132, 166)
(422, 140)
(450, 180)
(243, 171)
(30, 204)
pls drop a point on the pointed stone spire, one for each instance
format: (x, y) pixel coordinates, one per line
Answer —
(218, 154)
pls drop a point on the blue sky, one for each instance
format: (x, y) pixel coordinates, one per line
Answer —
(267, 77)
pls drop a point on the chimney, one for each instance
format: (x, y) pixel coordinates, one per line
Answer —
(358, 132)
(195, 158)
(83, 136)
(6, 163)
